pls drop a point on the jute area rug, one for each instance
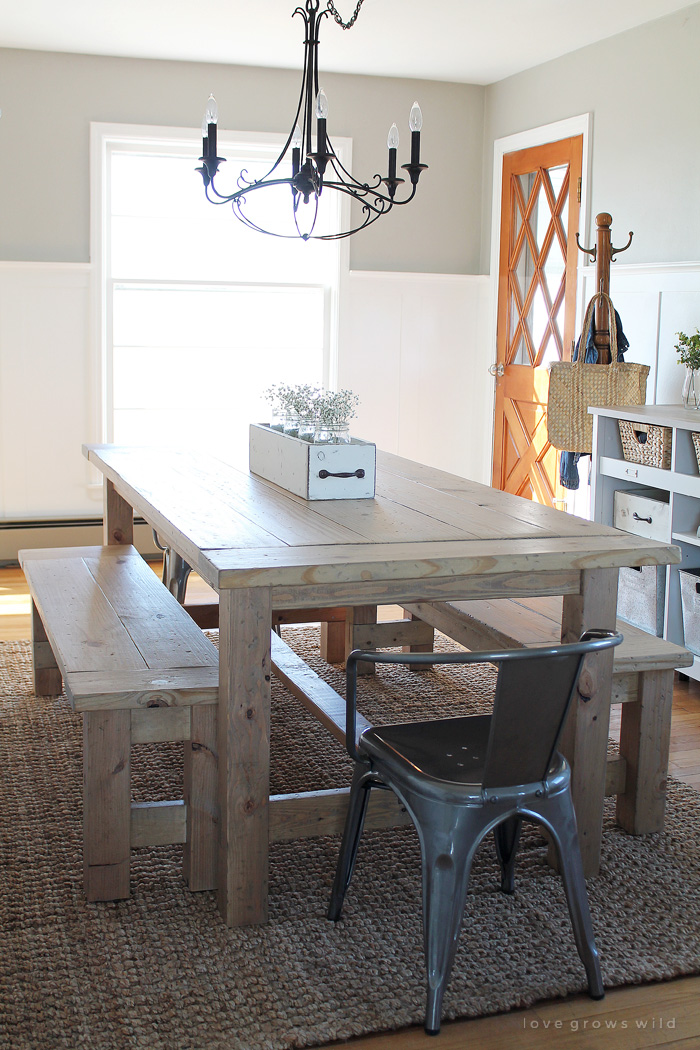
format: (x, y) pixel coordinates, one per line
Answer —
(161, 972)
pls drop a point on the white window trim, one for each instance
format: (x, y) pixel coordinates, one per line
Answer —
(104, 138)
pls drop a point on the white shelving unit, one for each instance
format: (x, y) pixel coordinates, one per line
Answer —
(611, 472)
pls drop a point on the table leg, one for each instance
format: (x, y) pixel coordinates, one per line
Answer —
(244, 754)
(118, 517)
(585, 738)
(333, 642)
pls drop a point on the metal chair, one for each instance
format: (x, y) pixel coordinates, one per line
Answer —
(460, 778)
(176, 570)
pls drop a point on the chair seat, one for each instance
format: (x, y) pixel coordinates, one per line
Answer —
(449, 750)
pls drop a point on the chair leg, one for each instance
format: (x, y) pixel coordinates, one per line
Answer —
(507, 836)
(177, 573)
(565, 838)
(448, 847)
(354, 822)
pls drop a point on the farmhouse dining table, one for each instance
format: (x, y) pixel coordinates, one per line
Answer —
(426, 536)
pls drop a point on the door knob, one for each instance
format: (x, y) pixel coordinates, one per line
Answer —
(497, 370)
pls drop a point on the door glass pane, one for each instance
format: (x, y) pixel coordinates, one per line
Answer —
(556, 178)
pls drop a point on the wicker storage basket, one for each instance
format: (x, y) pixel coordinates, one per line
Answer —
(646, 444)
(696, 446)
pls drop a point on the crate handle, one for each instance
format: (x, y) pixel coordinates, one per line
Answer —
(637, 518)
(641, 436)
(359, 473)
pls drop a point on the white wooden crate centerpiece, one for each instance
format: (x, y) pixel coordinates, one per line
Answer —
(313, 471)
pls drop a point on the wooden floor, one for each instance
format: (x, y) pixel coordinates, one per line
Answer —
(656, 1015)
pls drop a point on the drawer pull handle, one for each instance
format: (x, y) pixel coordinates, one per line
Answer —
(359, 473)
(637, 518)
(632, 472)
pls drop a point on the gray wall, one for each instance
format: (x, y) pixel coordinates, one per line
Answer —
(643, 89)
(48, 100)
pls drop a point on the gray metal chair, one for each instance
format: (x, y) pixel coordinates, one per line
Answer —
(460, 778)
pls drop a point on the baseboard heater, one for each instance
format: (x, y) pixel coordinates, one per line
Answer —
(33, 533)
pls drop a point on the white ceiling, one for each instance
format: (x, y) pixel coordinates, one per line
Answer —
(469, 41)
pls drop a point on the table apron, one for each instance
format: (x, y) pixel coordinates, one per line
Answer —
(440, 588)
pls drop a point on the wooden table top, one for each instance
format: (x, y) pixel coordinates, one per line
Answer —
(238, 530)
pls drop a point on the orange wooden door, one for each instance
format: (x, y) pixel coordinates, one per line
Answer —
(536, 310)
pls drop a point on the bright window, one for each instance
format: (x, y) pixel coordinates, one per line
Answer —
(202, 314)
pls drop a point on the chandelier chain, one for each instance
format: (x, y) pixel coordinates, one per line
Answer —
(332, 9)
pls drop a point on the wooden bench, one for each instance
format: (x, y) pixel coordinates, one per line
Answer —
(140, 671)
(642, 682)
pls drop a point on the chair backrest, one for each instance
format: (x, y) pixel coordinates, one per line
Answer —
(534, 690)
(532, 699)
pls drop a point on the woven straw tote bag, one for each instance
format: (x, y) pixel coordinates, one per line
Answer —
(574, 386)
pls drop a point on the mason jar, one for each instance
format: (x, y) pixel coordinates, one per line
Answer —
(332, 434)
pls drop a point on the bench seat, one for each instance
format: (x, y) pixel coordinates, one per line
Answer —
(642, 681)
(140, 671)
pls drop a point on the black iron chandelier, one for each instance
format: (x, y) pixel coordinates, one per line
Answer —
(308, 171)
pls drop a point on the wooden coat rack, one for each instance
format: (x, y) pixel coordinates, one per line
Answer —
(602, 255)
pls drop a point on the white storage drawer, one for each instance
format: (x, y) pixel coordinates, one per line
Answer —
(645, 512)
(640, 597)
(690, 603)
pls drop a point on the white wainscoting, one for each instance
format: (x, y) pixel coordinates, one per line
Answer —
(46, 390)
(415, 348)
(654, 302)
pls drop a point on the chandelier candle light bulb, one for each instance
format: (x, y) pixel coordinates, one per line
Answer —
(296, 151)
(415, 123)
(321, 149)
(392, 141)
(211, 117)
(305, 172)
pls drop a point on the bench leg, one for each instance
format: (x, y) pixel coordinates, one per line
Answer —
(106, 804)
(427, 647)
(645, 736)
(200, 854)
(358, 614)
(47, 677)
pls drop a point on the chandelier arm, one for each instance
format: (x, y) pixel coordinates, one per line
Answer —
(295, 212)
(369, 219)
(377, 203)
(377, 197)
(242, 217)
(259, 185)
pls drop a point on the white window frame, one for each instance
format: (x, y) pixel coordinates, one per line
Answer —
(106, 138)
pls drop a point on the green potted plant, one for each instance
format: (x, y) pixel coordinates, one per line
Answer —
(688, 350)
